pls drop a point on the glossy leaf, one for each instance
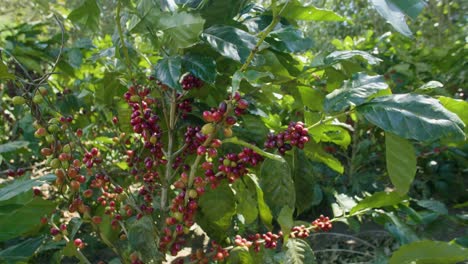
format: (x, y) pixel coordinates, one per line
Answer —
(182, 29)
(411, 8)
(252, 76)
(355, 93)
(459, 107)
(311, 97)
(298, 251)
(20, 216)
(388, 10)
(263, 209)
(200, 66)
(246, 196)
(21, 252)
(277, 185)
(434, 205)
(316, 153)
(168, 71)
(285, 220)
(143, 237)
(343, 55)
(433, 252)
(296, 11)
(401, 162)
(331, 133)
(289, 39)
(402, 232)
(230, 42)
(13, 146)
(413, 117)
(377, 200)
(218, 206)
(20, 186)
(304, 177)
(86, 15)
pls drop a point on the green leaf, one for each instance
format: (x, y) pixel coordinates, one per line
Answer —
(401, 162)
(354, 93)
(331, 133)
(217, 207)
(168, 71)
(388, 10)
(200, 66)
(311, 97)
(338, 56)
(4, 73)
(22, 215)
(413, 117)
(429, 86)
(430, 252)
(240, 255)
(299, 252)
(456, 106)
(86, 15)
(296, 11)
(289, 39)
(377, 200)
(246, 196)
(304, 176)
(285, 220)
(399, 229)
(143, 237)
(230, 42)
(253, 77)
(411, 8)
(263, 209)
(21, 252)
(181, 30)
(316, 153)
(13, 146)
(221, 12)
(277, 185)
(434, 206)
(20, 186)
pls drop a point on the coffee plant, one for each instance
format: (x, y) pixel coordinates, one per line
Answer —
(214, 132)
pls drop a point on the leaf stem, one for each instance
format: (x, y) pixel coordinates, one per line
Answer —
(326, 119)
(262, 37)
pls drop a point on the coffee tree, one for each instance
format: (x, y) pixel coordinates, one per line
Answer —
(191, 135)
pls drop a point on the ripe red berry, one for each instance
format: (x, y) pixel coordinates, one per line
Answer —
(77, 242)
(243, 104)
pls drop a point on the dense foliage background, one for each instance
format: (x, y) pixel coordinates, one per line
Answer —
(380, 85)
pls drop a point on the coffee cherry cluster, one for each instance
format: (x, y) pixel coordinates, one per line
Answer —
(295, 135)
(219, 252)
(182, 214)
(92, 157)
(145, 123)
(15, 173)
(185, 107)
(300, 232)
(190, 82)
(242, 242)
(322, 223)
(233, 166)
(194, 138)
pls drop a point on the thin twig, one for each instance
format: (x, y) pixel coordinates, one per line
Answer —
(59, 56)
(122, 41)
